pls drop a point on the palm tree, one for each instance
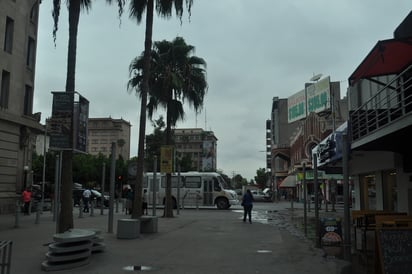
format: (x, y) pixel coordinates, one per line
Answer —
(137, 8)
(74, 6)
(176, 76)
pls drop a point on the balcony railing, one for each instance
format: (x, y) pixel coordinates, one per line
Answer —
(389, 105)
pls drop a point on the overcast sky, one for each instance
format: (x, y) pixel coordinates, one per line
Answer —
(254, 50)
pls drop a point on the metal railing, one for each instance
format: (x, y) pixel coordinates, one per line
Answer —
(390, 104)
(5, 256)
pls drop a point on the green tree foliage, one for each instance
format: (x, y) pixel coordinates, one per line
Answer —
(87, 169)
(238, 181)
(176, 75)
(154, 142)
(261, 177)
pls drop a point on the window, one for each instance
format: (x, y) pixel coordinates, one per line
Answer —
(30, 53)
(193, 182)
(8, 36)
(216, 185)
(28, 101)
(5, 87)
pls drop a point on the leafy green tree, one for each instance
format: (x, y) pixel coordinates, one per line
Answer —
(186, 163)
(74, 7)
(261, 177)
(141, 75)
(176, 76)
(154, 142)
(238, 181)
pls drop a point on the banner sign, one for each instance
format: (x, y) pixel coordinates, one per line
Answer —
(318, 96)
(297, 106)
(166, 159)
(314, 98)
(61, 122)
(68, 124)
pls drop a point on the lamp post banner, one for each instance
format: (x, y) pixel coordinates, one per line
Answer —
(166, 159)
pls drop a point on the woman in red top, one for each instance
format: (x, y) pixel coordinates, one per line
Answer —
(26, 196)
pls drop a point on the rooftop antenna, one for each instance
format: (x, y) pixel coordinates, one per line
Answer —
(316, 77)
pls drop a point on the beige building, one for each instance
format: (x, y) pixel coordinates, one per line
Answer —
(103, 131)
(18, 124)
(199, 144)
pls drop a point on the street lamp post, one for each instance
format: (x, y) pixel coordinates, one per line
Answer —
(26, 170)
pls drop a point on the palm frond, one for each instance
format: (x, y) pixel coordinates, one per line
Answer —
(56, 14)
(137, 9)
(120, 5)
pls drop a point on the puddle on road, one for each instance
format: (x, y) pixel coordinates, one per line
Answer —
(264, 251)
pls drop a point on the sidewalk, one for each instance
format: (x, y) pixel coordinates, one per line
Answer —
(195, 241)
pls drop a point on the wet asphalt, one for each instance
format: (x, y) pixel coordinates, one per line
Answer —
(204, 240)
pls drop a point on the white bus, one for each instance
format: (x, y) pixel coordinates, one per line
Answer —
(195, 189)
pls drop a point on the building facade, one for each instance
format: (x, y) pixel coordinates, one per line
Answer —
(18, 124)
(199, 145)
(103, 131)
(380, 123)
(292, 140)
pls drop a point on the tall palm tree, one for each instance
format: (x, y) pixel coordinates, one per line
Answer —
(164, 9)
(176, 76)
(74, 6)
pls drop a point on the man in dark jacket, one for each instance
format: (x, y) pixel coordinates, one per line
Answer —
(247, 203)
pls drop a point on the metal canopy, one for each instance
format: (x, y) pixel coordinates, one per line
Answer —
(387, 57)
(289, 181)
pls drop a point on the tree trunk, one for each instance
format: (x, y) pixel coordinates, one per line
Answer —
(137, 205)
(66, 212)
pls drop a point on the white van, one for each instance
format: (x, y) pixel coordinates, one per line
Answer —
(195, 189)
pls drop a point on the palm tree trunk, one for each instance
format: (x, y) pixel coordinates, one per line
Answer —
(137, 205)
(66, 213)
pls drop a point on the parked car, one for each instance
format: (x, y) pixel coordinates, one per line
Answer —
(258, 195)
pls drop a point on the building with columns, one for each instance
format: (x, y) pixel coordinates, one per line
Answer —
(19, 125)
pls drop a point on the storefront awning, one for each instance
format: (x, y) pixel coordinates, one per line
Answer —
(387, 57)
(289, 181)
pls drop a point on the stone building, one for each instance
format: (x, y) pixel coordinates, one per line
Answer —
(199, 144)
(18, 124)
(103, 131)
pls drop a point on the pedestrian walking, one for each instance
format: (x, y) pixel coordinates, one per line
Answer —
(247, 203)
(129, 201)
(86, 199)
(26, 197)
(144, 204)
